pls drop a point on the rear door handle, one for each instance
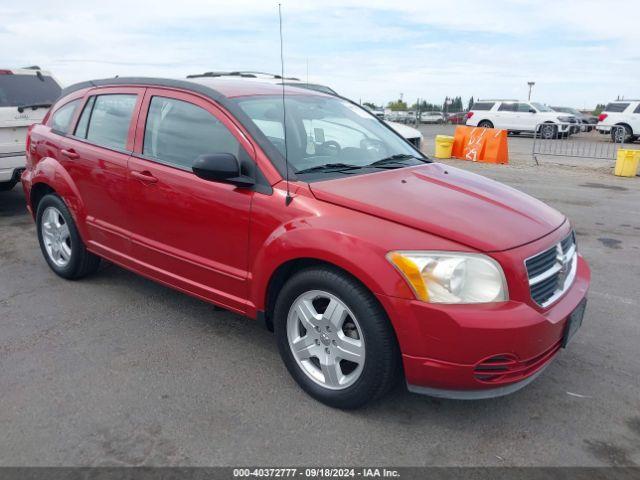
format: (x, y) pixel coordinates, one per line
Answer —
(71, 153)
(145, 176)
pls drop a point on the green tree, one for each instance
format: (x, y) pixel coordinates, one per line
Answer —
(370, 105)
(599, 108)
(470, 104)
(398, 105)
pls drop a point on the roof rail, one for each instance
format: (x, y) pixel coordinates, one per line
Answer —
(32, 67)
(241, 73)
(626, 100)
(497, 100)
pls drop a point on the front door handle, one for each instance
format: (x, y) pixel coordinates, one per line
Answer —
(145, 177)
(71, 153)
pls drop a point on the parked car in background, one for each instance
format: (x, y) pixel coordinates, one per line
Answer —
(398, 123)
(432, 117)
(458, 118)
(25, 96)
(625, 114)
(587, 122)
(518, 116)
(368, 261)
(378, 112)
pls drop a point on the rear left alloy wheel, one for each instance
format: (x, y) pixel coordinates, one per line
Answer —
(621, 134)
(334, 338)
(60, 242)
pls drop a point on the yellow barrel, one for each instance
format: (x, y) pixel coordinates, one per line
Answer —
(627, 162)
(444, 145)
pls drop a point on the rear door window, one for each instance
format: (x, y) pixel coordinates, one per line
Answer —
(507, 107)
(105, 120)
(616, 107)
(61, 119)
(483, 106)
(16, 90)
(637, 110)
(178, 132)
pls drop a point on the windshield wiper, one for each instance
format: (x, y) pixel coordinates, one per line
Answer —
(396, 159)
(33, 106)
(330, 167)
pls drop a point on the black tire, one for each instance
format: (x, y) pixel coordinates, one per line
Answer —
(81, 261)
(548, 131)
(382, 356)
(621, 134)
(6, 186)
(485, 124)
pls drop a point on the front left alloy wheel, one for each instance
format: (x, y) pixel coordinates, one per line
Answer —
(334, 338)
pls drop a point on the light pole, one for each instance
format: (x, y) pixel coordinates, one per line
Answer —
(531, 84)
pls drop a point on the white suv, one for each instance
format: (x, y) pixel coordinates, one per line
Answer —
(25, 97)
(520, 116)
(625, 114)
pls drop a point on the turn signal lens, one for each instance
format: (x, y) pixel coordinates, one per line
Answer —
(411, 273)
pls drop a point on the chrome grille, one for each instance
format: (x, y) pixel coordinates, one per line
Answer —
(552, 271)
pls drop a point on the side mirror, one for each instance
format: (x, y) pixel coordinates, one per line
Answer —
(531, 110)
(221, 167)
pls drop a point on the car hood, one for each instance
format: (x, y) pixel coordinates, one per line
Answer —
(406, 132)
(454, 204)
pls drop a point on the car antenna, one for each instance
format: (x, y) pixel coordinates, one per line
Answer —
(288, 198)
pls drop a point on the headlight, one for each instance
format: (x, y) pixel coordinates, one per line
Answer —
(450, 277)
(565, 119)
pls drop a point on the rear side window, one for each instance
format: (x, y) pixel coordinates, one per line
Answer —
(179, 132)
(106, 119)
(616, 107)
(483, 106)
(16, 90)
(637, 110)
(507, 107)
(61, 120)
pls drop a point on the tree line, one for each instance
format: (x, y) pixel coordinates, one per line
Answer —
(450, 105)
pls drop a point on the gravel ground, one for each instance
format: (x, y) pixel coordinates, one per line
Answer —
(118, 370)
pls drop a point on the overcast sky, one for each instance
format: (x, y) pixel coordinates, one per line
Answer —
(579, 52)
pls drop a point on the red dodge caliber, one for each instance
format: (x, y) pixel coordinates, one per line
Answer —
(371, 263)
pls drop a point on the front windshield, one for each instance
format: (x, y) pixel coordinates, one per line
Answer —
(540, 107)
(328, 133)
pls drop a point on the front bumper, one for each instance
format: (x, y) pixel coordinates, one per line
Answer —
(447, 349)
(9, 163)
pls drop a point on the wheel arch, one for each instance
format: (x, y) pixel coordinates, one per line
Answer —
(286, 270)
(49, 176)
(625, 124)
(38, 191)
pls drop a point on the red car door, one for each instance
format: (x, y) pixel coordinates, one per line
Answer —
(188, 232)
(96, 154)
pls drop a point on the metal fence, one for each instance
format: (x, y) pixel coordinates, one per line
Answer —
(578, 140)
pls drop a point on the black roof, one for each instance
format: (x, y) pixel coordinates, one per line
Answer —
(149, 81)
